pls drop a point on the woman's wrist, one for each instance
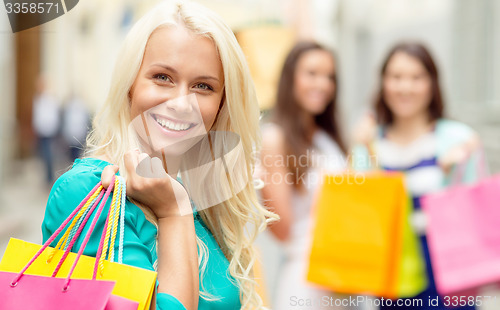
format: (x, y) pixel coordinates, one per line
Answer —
(175, 218)
(178, 273)
(175, 210)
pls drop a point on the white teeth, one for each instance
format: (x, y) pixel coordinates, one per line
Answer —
(171, 125)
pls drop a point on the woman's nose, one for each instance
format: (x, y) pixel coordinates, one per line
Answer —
(406, 85)
(181, 103)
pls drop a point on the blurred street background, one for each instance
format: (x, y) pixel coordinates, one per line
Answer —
(75, 54)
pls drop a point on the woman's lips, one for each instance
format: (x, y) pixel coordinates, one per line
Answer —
(172, 127)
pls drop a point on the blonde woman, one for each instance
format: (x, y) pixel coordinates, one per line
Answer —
(177, 50)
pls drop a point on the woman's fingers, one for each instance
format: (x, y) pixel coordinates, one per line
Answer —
(149, 184)
(366, 130)
(157, 170)
(107, 175)
(459, 154)
(150, 167)
(131, 161)
(454, 157)
(473, 144)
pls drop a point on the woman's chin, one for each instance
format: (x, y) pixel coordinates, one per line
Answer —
(177, 149)
(316, 110)
(407, 114)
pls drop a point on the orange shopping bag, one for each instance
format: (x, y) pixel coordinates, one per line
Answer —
(358, 233)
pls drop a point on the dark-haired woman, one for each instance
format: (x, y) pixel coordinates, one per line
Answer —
(302, 141)
(410, 134)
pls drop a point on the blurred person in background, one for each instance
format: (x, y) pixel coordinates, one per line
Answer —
(46, 122)
(302, 141)
(410, 134)
(75, 126)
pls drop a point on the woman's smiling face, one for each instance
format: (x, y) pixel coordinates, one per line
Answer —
(407, 86)
(314, 81)
(179, 86)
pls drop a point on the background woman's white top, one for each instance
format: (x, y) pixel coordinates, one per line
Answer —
(285, 264)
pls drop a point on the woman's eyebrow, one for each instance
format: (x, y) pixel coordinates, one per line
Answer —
(207, 77)
(169, 68)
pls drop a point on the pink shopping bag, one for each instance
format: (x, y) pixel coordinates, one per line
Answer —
(120, 303)
(464, 235)
(47, 293)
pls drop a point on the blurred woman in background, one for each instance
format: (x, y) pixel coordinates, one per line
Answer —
(302, 141)
(410, 134)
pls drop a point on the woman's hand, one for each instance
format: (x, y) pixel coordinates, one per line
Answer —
(365, 131)
(149, 184)
(459, 154)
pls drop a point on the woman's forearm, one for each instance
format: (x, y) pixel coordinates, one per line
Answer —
(178, 259)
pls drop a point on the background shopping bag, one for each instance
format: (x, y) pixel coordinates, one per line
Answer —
(464, 235)
(360, 225)
(412, 277)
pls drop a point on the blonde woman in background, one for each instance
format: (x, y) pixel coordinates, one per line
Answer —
(204, 260)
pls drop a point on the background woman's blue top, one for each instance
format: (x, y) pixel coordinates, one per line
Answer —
(139, 248)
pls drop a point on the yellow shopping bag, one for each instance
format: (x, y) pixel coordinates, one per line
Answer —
(412, 278)
(358, 234)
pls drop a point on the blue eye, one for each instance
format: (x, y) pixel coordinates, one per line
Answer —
(162, 77)
(204, 86)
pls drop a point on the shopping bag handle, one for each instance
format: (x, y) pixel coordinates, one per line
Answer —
(89, 232)
(371, 150)
(78, 232)
(61, 227)
(77, 221)
(110, 227)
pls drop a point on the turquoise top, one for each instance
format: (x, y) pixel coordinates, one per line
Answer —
(139, 247)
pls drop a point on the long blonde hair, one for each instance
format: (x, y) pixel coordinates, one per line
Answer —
(235, 222)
